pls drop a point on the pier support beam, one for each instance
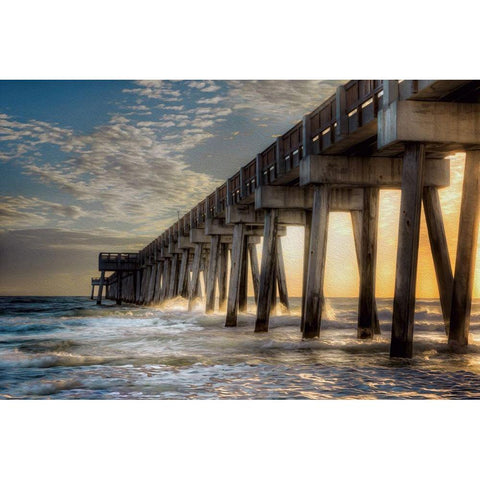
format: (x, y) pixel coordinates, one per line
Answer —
(306, 250)
(183, 275)
(252, 252)
(235, 272)
(466, 251)
(100, 288)
(267, 273)
(439, 248)
(367, 318)
(407, 250)
(194, 285)
(281, 277)
(212, 273)
(222, 275)
(243, 289)
(314, 298)
(173, 276)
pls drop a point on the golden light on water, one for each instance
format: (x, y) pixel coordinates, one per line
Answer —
(341, 274)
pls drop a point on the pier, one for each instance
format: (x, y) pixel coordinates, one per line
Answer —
(370, 135)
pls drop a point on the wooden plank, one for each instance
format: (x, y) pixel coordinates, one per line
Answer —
(183, 274)
(439, 248)
(267, 271)
(314, 298)
(407, 251)
(466, 252)
(234, 285)
(173, 276)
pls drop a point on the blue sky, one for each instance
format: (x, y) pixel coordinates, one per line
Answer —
(101, 165)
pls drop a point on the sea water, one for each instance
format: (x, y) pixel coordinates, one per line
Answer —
(67, 347)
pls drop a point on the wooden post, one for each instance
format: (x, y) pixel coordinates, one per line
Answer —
(252, 253)
(139, 286)
(273, 287)
(439, 248)
(407, 250)
(158, 282)
(316, 262)
(368, 260)
(194, 285)
(234, 285)
(151, 285)
(267, 270)
(183, 275)
(306, 250)
(100, 288)
(222, 275)
(357, 220)
(93, 291)
(243, 289)
(212, 273)
(174, 276)
(466, 252)
(166, 280)
(118, 299)
(281, 277)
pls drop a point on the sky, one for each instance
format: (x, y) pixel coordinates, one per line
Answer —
(90, 166)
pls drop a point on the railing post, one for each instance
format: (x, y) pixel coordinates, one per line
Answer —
(243, 193)
(307, 136)
(258, 170)
(280, 156)
(341, 112)
(390, 92)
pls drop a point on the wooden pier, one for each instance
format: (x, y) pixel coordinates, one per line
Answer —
(370, 135)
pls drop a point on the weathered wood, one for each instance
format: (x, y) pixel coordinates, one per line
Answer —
(93, 291)
(273, 286)
(316, 262)
(368, 260)
(306, 250)
(158, 282)
(243, 288)
(439, 248)
(234, 284)
(194, 284)
(222, 275)
(252, 252)
(212, 273)
(281, 277)
(173, 276)
(357, 218)
(183, 275)
(267, 271)
(407, 250)
(166, 280)
(100, 288)
(118, 299)
(466, 252)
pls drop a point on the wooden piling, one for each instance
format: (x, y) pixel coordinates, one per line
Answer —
(183, 275)
(357, 219)
(466, 252)
(368, 259)
(100, 288)
(243, 288)
(439, 248)
(222, 275)
(234, 284)
(252, 253)
(306, 250)
(407, 250)
(194, 285)
(281, 276)
(267, 279)
(316, 262)
(212, 273)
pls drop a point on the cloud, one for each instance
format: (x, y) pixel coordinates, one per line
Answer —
(21, 211)
(277, 98)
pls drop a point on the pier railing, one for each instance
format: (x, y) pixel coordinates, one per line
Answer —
(117, 261)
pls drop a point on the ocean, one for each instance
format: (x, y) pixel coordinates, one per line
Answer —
(69, 348)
